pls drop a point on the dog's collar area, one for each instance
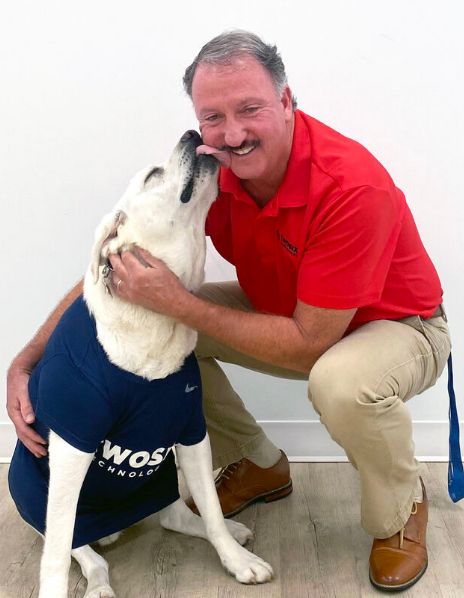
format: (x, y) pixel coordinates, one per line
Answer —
(106, 273)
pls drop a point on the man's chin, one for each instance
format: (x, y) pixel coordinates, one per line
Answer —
(244, 168)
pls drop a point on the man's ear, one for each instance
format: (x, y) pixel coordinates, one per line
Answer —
(107, 230)
(287, 102)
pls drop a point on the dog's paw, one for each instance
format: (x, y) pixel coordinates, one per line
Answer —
(104, 591)
(246, 567)
(107, 540)
(239, 531)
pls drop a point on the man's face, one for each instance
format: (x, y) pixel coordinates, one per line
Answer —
(239, 109)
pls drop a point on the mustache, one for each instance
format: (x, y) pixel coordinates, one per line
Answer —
(244, 145)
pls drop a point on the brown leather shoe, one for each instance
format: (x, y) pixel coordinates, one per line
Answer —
(243, 483)
(396, 563)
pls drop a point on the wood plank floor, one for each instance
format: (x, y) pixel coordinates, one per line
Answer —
(313, 540)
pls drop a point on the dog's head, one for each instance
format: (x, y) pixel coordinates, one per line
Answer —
(160, 201)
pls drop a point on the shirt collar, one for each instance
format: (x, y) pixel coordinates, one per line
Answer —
(293, 191)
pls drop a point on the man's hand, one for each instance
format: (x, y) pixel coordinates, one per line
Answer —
(144, 280)
(20, 410)
(17, 403)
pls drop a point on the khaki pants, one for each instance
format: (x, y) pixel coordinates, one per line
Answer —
(358, 387)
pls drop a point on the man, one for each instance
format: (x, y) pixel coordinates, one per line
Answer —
(334, 286)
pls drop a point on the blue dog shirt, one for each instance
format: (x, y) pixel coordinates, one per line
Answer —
(130, 423)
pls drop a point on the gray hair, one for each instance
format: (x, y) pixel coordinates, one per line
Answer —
(232, 44)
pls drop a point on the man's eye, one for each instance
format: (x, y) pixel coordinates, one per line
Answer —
(251, 109)
(211, 118)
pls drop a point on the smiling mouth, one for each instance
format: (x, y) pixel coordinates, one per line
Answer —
(244, 151)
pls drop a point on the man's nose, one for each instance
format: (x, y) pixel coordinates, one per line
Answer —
(234, 133)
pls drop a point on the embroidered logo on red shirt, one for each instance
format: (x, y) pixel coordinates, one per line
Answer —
(293, 249)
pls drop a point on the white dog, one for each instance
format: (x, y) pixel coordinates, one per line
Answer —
(116, 407)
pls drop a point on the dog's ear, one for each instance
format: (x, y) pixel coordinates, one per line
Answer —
(107, 230)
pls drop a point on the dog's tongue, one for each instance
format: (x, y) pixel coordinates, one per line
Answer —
(222, 155)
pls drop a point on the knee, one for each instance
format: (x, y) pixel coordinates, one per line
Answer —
(337, 392)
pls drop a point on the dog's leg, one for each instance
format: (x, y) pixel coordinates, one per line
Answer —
(179, 518)
(195, 462)
(95, 570)
(68, 467)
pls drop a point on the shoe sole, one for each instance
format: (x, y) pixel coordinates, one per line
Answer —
(276, 494)
(399, 588)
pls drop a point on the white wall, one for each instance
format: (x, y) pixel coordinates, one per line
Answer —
(91, 91)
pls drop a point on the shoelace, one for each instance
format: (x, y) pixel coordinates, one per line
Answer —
(227, 471)
(413, 512)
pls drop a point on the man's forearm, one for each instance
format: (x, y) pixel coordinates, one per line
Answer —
(32, 352)
(294, 343)
(269, 338)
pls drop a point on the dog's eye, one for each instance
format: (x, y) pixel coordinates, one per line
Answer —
(156, 171)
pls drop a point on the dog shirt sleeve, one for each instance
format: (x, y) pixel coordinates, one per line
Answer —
(70, 404)
(194, 429)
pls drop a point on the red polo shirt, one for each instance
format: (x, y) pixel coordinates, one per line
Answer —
(337, 234)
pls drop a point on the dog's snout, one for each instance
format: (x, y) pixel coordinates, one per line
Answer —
(190, 135)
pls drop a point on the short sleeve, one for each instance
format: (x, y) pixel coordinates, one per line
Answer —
(70, 405)
(349, 252)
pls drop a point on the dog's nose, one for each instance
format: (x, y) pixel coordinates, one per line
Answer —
(188, 135)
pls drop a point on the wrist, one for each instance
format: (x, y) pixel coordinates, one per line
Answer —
(186, 308)
(25, 361)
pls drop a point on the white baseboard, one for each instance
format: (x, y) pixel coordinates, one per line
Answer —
(305, 440)
(7, 441)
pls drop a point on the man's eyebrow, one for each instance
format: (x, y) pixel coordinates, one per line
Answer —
(251, 100)
(156, 171)
(241, 104)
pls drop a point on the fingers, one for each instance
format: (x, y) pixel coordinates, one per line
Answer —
(26, 410)
(21, 413)
(127, 269)
(27, 435)
(139, 256)
(31, 440)
(117, 264)
(146, 258)
(128, 260)
(123, 265)
(118, 275)
(144, 280)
